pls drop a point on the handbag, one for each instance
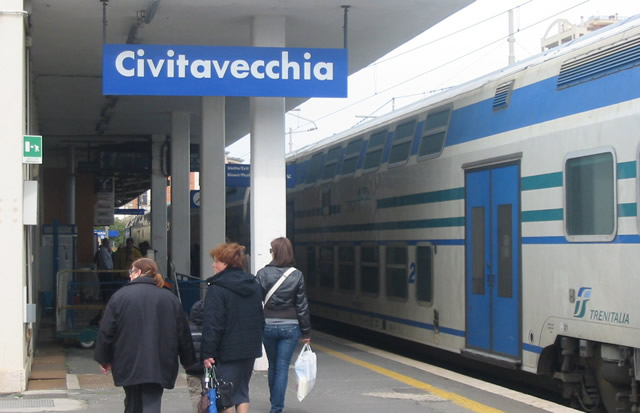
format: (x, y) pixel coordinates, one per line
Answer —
(217, 394)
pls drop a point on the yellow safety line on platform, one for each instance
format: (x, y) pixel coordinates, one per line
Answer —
(455, 398)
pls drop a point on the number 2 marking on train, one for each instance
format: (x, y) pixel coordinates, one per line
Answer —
(412, 273)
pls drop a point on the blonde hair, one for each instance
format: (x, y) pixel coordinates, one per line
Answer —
(149, 268)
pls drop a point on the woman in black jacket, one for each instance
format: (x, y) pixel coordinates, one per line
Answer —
(142, 333)
(287, 317)
(233, 322)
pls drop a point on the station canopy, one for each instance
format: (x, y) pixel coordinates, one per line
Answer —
(66, 54)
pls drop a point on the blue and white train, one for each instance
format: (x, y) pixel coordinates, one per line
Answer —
(498, 219)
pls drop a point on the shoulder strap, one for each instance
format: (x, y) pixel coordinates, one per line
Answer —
(278, 283)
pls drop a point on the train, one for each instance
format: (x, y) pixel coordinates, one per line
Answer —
(497, 220)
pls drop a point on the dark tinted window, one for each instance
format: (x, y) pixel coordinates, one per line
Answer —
(351, 157)
(374, 150)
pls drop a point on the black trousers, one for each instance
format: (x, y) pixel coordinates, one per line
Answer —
(143, 398)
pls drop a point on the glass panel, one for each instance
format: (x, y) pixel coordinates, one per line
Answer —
(329, 170)
(351, 156)
(326, 267)
(405, 130)
(437, 120)
(373, 159)
(346, 270)
(311, 266)
(349, 165)
(333, 155)
(400, 152)
(314, 167)
(377, 139)
(353, 147)
(431, 144)
(477, 248)
(505, 250)
(590, 197)
(369, 270)
(301, 170)
(424, 276)
(397, 283)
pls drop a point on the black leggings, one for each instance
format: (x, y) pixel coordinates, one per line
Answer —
(143, 398)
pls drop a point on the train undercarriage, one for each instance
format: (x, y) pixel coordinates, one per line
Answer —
(596, 377)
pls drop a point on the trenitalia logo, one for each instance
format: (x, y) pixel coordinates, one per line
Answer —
(223, 71)
(584, 294)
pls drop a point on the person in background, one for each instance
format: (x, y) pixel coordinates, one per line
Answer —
(125, 256)
(144, 247)
(287, 317)
(104, 262)
(233, 322)
(195, 374)
(143, 333)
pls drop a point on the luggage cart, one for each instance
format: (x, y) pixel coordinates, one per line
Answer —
(80, 302)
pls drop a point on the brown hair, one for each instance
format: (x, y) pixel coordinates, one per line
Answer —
(282, 252)
(149, 268)
(231, 254)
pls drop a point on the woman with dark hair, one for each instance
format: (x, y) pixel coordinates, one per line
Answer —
(143, 332)
(233, 322)
(286, 313)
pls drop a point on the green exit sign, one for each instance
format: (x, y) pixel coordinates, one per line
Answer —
(32, 149)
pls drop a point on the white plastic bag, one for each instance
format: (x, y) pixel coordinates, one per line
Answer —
(306, 367)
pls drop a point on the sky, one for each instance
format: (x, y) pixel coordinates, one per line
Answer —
(467, 45)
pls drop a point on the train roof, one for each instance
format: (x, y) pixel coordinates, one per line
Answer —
(507, 71)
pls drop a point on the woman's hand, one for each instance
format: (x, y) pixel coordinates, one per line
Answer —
(105, 368)
(306, 340)
(209, 362)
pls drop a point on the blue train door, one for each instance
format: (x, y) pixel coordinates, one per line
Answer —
(492, 240)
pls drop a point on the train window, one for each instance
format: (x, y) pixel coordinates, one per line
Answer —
(346, 268)
(396, 269)
(590, 195)
(478, 249)
(301, 169)
(326, 267)
(369, 270)
(434, 133)
(402, 140)
(313, 168)
(424, 273)
(311, 266)
(351, 157)
(331, 163)
(374, 150)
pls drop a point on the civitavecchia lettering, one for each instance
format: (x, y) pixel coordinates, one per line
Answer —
(133, 64)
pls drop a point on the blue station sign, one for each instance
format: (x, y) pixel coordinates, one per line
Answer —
(133, 69)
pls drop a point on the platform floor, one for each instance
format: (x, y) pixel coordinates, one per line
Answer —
(351, 377)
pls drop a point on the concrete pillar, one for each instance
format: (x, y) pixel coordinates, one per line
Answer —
(180, 206)
(212, 180)
(159, 203)
(13, 357)
(268, 178)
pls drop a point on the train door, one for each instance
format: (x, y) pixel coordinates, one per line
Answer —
(492, 243)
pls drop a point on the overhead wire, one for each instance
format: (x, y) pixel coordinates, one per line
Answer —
(448, 62)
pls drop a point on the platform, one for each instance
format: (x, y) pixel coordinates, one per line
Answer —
(351, 377)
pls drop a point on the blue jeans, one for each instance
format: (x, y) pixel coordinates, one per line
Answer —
(280, 341)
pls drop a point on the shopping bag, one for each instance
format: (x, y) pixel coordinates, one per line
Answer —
(306, 366)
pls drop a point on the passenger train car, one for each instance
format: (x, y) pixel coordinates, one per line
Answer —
(498, 219)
